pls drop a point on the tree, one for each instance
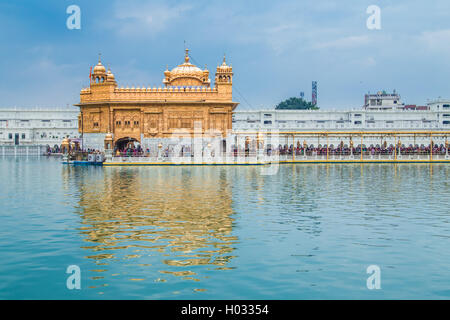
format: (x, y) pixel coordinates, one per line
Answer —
(295, 103)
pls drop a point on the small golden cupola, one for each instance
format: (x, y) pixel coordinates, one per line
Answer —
(224, 73)
(99, 75)
(110, 76)
(186, 74)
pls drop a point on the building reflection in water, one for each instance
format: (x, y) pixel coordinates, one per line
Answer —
(181, 215)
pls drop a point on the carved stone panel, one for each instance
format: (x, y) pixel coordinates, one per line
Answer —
(151, 123)
(92, 121)
(126, 123)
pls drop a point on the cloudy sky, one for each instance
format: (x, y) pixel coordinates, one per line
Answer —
(276, 48)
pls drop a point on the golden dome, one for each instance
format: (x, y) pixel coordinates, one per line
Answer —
(186, 74)
(187, 68)
(110, 76)
(99, 68)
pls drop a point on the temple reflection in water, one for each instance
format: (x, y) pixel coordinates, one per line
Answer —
(183, 217)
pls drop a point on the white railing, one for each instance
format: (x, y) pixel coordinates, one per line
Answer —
(252, 157)
(22, 151)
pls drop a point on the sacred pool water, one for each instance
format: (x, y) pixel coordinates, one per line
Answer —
(309, 231)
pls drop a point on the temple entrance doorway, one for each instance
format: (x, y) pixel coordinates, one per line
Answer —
(126, 143)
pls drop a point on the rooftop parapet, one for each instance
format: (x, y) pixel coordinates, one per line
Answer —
(184, 82)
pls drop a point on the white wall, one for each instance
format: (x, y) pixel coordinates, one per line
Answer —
(39, 126)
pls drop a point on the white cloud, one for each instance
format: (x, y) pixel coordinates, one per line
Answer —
(286, 27)
(345, 42)
(439, 39)
(43, 63)
(365, 62)
(137, 19)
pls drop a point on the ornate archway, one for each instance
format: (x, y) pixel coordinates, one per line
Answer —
(125, 143)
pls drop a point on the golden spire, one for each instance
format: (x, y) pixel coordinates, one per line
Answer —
(186, 57)
(99, 58)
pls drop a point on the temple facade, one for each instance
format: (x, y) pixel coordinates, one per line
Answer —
(186, 104)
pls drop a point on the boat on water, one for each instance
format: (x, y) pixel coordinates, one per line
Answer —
(84, 159)
(72, 154)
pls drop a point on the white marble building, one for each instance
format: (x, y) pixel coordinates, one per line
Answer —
(383, 101)
(394, 117)
(37, 126)
(436, 117)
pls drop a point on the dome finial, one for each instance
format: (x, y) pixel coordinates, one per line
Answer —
(186, 57)
(99, 68)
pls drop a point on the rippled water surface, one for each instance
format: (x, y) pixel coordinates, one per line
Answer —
(307, 232)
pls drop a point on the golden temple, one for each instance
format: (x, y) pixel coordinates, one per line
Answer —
(112, 116)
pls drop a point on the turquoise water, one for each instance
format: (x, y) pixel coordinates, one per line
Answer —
(307, 232)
